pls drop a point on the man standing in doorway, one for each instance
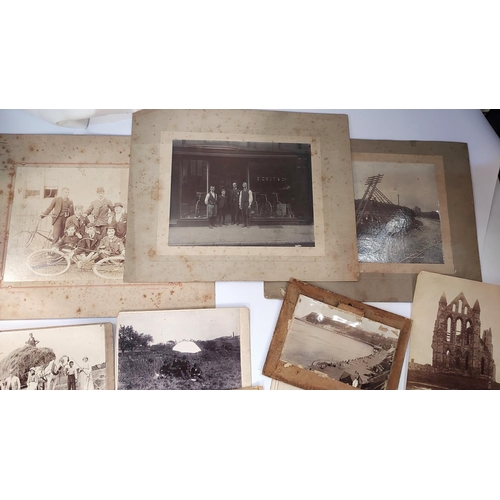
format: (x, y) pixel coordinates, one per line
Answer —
(234, 201)
(61, 208)
(222, 208)
(211, 203)
(245, 202)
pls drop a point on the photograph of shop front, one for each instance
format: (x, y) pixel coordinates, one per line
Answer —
(241, 193)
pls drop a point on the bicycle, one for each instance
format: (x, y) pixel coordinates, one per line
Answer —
(37, 238)
(49, 262)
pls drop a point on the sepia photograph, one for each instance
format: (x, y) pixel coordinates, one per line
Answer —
(68, 224)
(455, 337)
(240, 195)
(59, 358)
(340, 345)
(397, 213)
(227, 193)
(327, 341)
(197, 349)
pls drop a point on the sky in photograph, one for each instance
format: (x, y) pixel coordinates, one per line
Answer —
(430, 287)
(194, 324)
(306, 305)
(415, 183)
(74, 341)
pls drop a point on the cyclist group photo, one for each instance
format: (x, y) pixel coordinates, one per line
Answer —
(69, 230)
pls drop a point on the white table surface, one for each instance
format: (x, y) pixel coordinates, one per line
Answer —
(468, 126)
(252, 444)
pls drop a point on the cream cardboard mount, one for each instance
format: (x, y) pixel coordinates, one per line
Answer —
(33, 172)
(301, 215)
(432, 180)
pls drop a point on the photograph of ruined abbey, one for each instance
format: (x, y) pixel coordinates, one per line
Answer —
(226, 193)
(340, 345)
(454, 342)
(397, 213)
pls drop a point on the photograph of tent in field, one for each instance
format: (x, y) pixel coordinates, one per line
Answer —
(398, 218)
(61, 358)
(339, 344)
(184, 349)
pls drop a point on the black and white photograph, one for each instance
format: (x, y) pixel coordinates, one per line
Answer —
(202, 349)
(68, 224)
(340, 345)
(227, 193)
(398, 217)
(58, 358)
(455, 336)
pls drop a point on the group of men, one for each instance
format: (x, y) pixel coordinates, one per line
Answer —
(237, 203)
(97, 232)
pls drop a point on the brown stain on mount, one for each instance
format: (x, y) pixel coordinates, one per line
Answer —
(156, 191)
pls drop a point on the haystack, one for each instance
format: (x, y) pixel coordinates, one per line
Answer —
(22, 359)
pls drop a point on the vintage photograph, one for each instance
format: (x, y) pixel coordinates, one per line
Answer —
(397, 213)
(203, 349)
(455, 337)
(68, 224)
(227, 193)
(340, 344)
(290, 172)
(58, 358)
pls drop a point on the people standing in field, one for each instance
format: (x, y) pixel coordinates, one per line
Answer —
(71, 374)
(85, 380)
(32, 380)
(12, 382)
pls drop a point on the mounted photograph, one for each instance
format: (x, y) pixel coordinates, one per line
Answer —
(327, 341)
(227, 193)
(240, 195)
(398, 217)
(68, 224)
(59, 358)
(340, 345)
(455, 338)
(197, 349)
(64, 232)
(414, 211)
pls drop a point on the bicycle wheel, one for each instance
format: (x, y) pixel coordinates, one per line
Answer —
(48, 262)
(110, 268)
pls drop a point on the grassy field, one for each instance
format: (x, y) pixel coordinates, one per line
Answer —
(219, 361)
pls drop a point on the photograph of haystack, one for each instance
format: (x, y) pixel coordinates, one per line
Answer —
(455, 343)
(68, 225)
(340, 345)
(58, 358)
(203, 349)
(227, 193)
(397, 213)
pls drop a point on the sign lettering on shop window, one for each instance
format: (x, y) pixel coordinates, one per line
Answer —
(270, 179)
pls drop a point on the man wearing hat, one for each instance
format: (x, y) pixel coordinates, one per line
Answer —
(61, 208)
(78, 220)
(110, 245)
(98, 212)
(119, 220)
(87, 249)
